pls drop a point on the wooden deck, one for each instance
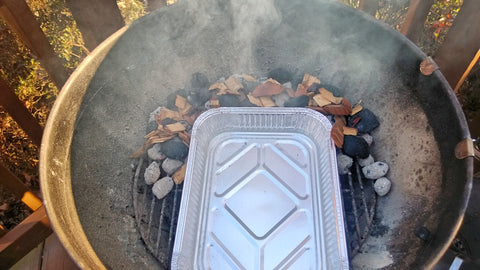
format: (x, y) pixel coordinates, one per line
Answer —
(49, 254)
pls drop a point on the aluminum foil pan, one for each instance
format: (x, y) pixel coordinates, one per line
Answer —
(261, 192)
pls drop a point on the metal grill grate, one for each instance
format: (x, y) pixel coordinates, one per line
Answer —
(359, 200)
(157, 219)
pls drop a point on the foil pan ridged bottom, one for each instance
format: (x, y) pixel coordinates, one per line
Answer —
(261, 192)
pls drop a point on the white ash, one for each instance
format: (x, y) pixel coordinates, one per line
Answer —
(287, 85)
(280, 99)
(375, 170)
(152, 114)
(366, 161)
(368, 138)
(152, 173)
(170, 166)
(162, 187)
(382, 186)
(155, 152)
(207, 105)
(344, 163)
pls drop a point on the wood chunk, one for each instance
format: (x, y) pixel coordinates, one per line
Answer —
(356, 109)
(254, 100)
(308, 80)
(290, 92)
(179, 175)
(301, 90)
(214, 103)
(166, 113)
(176, 127)
(233, 86)
(183, 106)
(267, 102)
(329, 96)
(321, 100)
(350, 131)
(248, 78)
(268, 88)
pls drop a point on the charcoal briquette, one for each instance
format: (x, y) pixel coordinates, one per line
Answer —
(355, 147)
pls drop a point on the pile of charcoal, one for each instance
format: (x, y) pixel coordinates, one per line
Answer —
(169, 127)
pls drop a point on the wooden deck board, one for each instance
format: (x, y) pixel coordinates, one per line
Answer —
(55, 256)
(48, 255)
(31, 261)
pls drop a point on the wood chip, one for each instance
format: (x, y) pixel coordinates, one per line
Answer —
(166, 113)
(159, 139)
(273, 81)
(249, 78)
(179, 176)
(301, 90)
(140, 151)
(356, 109)
(192, 117)
(318, 109)
(214, 103)
(268, 88)
(176, 127)
(233, 86)
(160, 132)
(254, 100)
(183, 106)
(186, 137)
(340, 118)
(308, 80)
(329, 96)
(321, 100)
(218, 86)
(341, 109)
(337, 133)
(350, 131)
(267, 102)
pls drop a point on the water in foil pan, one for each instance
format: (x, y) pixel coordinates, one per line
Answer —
(261, 192)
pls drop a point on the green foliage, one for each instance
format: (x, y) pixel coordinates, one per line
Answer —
(392, 12)
(439, 20)
(31, 82)
(131, 9)
(60, 28)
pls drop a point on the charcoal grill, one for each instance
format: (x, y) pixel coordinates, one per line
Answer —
(100, 117)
